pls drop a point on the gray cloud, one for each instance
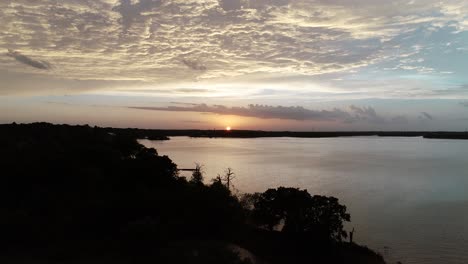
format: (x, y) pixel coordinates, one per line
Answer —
(43, 65)
(426, 116)
(259, 4)
(182, 103)
(356, 114)
(229, 5)
(400, 119)
(366, 113)
(131, 12)
(194, 65)
(260, 111)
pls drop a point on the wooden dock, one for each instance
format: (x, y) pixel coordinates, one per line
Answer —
(186, 169)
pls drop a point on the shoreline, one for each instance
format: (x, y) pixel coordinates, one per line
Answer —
(164, 134)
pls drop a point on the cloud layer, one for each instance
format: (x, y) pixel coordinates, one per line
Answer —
(43, 65)
(297, 113)
(156, 40)
(259, 111)
(425, 115)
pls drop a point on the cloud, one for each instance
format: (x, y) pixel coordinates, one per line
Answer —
(229, 5)
(260, 111)
(261, 36)
(131, 12)
(17, 83)
(298, 113)
(358, 116)
(426, 116)
(400, 119)
(193, 90)
(43, 65)
(193, 121)
(366, 113)
(263, 4)
(194, 65)
(182, 103)
(190, 91)
(156, 41)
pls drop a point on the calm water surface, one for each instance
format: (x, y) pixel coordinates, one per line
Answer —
(408, 197)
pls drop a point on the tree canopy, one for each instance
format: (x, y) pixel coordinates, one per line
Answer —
(76, 190)
(297, 211)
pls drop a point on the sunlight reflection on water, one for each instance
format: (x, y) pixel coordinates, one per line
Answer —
(407, 196)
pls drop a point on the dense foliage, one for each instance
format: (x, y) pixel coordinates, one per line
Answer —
(72, 192)
(300, 212)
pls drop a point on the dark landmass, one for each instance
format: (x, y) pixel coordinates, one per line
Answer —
(258, 134)
(164, 134)
(161, 134)
(81, 194)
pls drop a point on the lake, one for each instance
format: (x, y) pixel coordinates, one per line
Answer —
(408, 197)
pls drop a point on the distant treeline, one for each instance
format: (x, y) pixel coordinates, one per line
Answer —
(258, 134)
(81, 194)
(164, 134)
(161, 134)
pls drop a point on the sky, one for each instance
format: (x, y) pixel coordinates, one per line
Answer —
(302, 65)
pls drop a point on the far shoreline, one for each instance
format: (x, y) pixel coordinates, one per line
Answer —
(161, 134)
(164, 134)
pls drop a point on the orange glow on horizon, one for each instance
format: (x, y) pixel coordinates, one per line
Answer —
(228, 128)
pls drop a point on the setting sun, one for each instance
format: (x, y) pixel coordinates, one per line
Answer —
(228, 128)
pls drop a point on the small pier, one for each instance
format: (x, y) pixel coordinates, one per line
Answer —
(186, 169)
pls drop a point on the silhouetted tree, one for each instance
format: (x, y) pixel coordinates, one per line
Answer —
(282, 204)
(197, 175)
(228, 177)
(327, 215)
(300, 212)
